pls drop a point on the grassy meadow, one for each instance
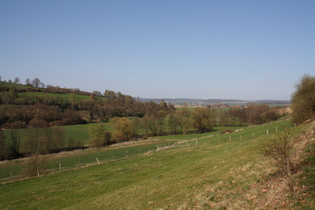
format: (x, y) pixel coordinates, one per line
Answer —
(13, 85)
(72, 160)
(202, 171)
(64, 96)
(77, 132)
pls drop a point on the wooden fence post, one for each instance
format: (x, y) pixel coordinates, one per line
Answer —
(98, 162)
(60, 167)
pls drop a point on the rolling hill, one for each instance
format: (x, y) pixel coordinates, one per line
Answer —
(212, 171)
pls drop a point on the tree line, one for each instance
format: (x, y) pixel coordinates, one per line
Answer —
(35, 82)
(180, 121)
(253, 114)
(159, 119)
(156, 123)
(35, 141)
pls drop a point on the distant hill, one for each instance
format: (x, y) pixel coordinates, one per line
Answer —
(26, 106)
(5, 86)
(179, 101)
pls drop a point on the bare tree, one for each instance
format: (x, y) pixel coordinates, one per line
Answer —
(3, 147)
(44, 140)
(97, 93)
(14, 143)
(281, 149)
(35, 165)
(36, 82)
(16, 80)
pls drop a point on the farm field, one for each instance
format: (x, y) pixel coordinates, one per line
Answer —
(81, 132)
(13, 85)
(78, 158)
(64, 96)
(77, 132)
(72, 160)
(199, 172)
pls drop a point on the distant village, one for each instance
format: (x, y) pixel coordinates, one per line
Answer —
(214, 106)
(222, 106)
(219, 105)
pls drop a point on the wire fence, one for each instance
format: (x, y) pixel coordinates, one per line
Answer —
(12, 172)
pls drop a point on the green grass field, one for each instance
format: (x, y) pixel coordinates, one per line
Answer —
(204, 174)
(77, 132)
(119, 150)
(13, 85)
(80, 132)
(65, 96)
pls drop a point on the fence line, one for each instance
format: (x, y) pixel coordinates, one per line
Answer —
(175, 143)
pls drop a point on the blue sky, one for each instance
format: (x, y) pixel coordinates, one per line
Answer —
(161, 48)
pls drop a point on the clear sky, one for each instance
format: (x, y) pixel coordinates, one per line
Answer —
(228, 49)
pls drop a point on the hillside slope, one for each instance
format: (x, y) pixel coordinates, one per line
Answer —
(230, 174)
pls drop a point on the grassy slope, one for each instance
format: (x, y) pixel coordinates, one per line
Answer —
(65, 96)
(89, 156)
(307, 200)
(13, 85)
(206, 175)
(79, 159)
(172, 177)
